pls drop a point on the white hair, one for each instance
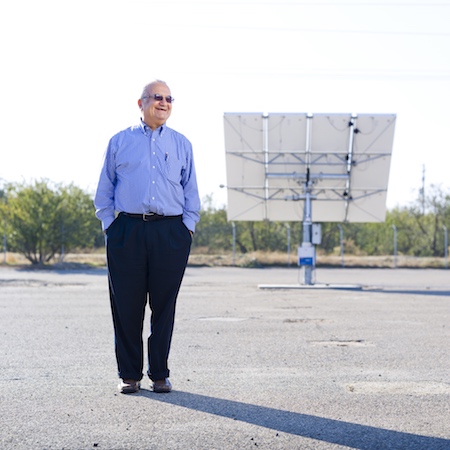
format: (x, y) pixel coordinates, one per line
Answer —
(145, 90)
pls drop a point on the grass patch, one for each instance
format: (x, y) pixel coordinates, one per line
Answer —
(250, 260)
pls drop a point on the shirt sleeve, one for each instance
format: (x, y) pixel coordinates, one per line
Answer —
(191, 210)
(104, 196)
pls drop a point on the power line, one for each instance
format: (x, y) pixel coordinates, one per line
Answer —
(312, 30)
(285, 3)
(335, 74)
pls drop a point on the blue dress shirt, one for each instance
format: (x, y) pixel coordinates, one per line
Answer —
(148, 171)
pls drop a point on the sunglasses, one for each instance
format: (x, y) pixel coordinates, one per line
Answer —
(159, 98)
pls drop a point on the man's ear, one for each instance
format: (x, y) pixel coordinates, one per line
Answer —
(140, 104)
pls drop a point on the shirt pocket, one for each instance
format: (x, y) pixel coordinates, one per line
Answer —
(173, 169)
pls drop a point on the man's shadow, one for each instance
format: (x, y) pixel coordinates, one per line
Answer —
(328, 430)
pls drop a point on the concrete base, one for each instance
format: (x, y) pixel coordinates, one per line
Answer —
(310, 286)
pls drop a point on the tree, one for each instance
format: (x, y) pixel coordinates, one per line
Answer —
(438, 206)
(213, 230)
(43, 219)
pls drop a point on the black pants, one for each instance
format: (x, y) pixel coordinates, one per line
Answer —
(146, 262)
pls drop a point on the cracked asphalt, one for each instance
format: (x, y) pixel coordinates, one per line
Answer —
(297, 368)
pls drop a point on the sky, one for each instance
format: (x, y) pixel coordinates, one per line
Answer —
(72, 72)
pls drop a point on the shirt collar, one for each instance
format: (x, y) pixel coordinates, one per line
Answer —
(148, 131)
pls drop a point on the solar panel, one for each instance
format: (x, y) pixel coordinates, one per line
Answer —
(341, 160)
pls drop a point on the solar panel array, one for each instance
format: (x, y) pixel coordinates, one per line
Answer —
(342, 160)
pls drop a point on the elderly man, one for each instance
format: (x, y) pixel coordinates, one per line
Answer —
(147, 200)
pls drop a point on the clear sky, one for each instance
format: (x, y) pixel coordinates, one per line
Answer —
(72, 72)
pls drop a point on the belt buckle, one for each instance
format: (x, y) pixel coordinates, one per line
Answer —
(146, 217)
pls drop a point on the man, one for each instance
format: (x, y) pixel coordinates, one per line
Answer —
(147, 200)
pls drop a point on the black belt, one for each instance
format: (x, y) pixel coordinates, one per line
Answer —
(148, 217)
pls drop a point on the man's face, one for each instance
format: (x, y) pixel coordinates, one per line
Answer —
(154, 112)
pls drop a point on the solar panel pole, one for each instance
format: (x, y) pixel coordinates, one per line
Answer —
(307, 250)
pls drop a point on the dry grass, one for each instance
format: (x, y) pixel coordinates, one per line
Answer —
(69, 260)
(261, 259)
(254, 259)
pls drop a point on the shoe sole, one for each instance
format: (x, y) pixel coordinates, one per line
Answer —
(129, 389)
(162, 391)
(161, 386)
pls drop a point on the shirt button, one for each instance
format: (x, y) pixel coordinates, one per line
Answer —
(153, 182)
(153, 167)
(153, 198)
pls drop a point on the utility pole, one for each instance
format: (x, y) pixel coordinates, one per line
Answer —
(395, 246)
(445, 246)
(289, 244)
(422, 191)
(233, 227)
(341, 241)
(4, 242)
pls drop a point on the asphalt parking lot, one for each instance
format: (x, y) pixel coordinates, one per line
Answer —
(330, 368)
